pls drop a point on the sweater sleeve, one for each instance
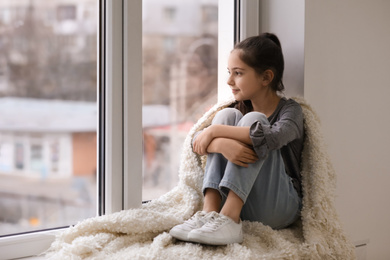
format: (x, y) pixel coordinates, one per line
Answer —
(287, 127)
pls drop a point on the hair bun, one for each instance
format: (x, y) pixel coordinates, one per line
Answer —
(273, 38)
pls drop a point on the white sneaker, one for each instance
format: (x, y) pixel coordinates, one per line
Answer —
(219, 230)
(196, 221)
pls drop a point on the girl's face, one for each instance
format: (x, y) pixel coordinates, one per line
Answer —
(245, 83)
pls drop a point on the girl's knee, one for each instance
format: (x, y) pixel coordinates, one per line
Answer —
(252, 117)
(227, 116)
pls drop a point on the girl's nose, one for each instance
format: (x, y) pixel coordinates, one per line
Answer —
(230, 81)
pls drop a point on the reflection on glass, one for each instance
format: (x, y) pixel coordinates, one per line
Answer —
(179, 82)
(48, 113)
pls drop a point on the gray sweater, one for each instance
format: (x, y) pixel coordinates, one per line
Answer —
(285, 132)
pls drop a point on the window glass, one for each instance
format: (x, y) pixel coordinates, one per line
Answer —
(179, 82)
(48, 113)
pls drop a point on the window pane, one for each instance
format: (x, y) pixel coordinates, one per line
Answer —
(180, 82)
(48, 113)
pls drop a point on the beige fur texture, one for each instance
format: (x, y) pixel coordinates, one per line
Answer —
(142, 233)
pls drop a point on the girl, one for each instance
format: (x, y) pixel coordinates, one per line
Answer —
(254, 151)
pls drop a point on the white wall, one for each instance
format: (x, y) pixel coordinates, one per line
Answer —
(347, 80)
(286, 20)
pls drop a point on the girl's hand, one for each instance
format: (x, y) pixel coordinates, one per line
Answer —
(237, 152)
(202, 141)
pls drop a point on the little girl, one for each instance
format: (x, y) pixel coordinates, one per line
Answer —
(254, 151)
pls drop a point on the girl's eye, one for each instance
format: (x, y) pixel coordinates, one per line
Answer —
(237, 73)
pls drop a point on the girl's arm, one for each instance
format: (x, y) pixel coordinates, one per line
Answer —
(237, 133)
(288, 127)
(233, 150)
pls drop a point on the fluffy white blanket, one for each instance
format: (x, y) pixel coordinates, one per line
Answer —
(142, 233)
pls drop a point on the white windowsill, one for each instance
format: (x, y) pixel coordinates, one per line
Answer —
(32, 244)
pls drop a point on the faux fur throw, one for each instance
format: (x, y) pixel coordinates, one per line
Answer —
(142, 233)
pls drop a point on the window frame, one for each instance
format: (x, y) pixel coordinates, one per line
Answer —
(243, 22)
(122, 86)
(120, 106)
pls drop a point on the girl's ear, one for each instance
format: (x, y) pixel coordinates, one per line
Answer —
(268, 76)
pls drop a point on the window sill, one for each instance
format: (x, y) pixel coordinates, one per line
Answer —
(32, 244)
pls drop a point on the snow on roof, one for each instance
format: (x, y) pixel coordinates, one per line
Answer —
(41, 115)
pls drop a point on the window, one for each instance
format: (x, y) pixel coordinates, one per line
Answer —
(209, 14)
(120, 134)
(179, 82)
(19, 157)
(48, 115)
(66, 12)
(55, 156)
(36, 160)
(169, 14)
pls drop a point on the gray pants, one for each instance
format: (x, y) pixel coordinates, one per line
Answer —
(264, 187)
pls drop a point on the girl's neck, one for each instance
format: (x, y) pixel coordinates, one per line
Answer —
(266, 103)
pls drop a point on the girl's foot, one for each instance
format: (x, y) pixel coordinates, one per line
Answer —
(219, 230)
(196, 221)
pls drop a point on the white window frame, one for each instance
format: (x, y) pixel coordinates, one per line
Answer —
(122, 134)
(123, 137)
(231, 29)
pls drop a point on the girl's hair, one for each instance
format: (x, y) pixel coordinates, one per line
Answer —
(262, 52)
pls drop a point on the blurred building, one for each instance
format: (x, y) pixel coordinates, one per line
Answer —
(47, 138)
(48, 160)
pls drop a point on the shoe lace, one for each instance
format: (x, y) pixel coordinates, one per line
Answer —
(215, 221)
(196, 220)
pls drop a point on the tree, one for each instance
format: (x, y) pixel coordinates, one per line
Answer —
(44, 64)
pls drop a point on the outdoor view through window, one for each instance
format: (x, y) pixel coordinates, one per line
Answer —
(180, 41)
(48, 113)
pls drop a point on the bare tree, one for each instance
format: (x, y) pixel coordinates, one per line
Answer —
(42, 65)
